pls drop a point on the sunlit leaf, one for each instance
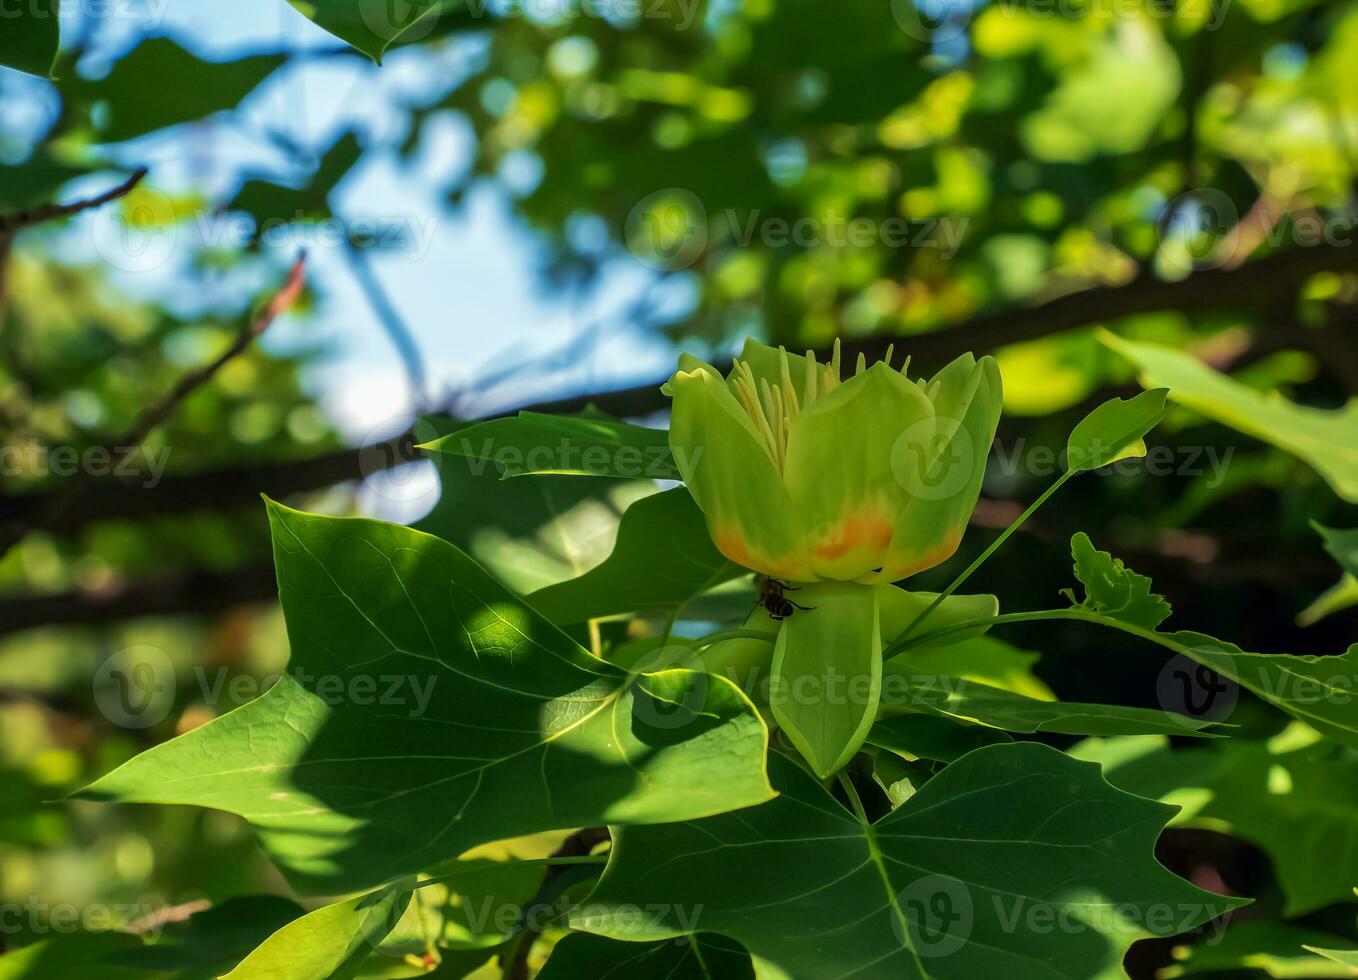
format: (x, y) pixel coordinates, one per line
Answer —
(1114, 431)
(1325, 439)
(418, 685)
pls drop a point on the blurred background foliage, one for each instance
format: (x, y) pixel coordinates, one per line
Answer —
(1019, 175)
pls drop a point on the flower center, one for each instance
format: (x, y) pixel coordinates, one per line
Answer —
(772, 407)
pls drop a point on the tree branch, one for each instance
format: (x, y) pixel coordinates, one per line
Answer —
(10, 223)
(198, 593)
(63, 501)
(1248, 287)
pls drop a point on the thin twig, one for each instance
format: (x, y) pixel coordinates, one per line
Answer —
(578, 844)
(79, 484)
(10, 223)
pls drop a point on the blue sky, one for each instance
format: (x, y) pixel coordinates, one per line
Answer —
(466, 284)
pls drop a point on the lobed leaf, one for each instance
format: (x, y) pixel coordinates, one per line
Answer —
(1114, 431)
(427, 710)
(941, 888)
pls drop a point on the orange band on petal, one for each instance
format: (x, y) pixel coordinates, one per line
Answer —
(865, 531)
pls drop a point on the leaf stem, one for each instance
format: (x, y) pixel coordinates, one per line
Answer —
(985, 555)
(851, 792)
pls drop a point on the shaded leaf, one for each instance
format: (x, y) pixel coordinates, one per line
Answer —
(269, 203)
(73, 956)
(31, 37)
(930, 890)
(586, 444)
(530, 534)
(939, 738)
(953, 697)
(701, 957)
(662, 558)
(159, 84)
(419, 686)
(1326, 440)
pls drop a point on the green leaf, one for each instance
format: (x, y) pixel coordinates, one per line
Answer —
(159, 84)
(271, 204)
(1317, 690)
(1114, 431)
(426, 710)
(939, 738)
(1113, 589)
(827, 672)
(34, 182)
(370, 26)
(1299, 805)
(1343, 546)
(963, 700)
(530, 534)
(74, 956)
(1345, 958)
(1276, 948)
(663, 558)
(1342, 595)
(1007, 834)
(703, 957)
(1325, 439)
(982, 659)
(331, 942)
(31, 37)
(586, 444)
(211, 942)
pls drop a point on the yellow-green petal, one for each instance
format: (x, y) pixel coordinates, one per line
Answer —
(941, 469)
(839, 469)
(731, 475)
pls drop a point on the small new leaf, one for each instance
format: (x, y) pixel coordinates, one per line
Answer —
(1112, 589)
(1115, 430)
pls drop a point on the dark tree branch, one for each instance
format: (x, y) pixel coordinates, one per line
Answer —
(197, 593)
(10, 223)
(1250, 287)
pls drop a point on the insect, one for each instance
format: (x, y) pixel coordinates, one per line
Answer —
(778, 605)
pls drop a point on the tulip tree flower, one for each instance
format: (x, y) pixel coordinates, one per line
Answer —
(835, 488)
